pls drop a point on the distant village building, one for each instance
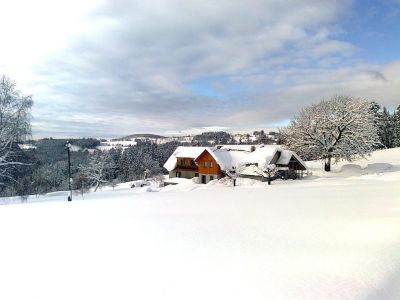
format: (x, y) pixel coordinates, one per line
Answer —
(251, 161)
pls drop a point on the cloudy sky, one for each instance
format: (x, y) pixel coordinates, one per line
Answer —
(107, 68)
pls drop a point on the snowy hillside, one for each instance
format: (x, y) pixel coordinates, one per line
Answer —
(328, 237)
(133, 140)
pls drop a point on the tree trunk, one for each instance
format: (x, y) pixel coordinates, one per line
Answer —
(97, 186)
(328, 164)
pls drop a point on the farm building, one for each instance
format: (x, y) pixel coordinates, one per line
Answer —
(209, 163)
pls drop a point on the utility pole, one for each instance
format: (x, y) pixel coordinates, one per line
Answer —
(68, 145)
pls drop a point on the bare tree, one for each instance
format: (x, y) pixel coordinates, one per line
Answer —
(270, 172)
(98, 169)
(81, 184)
(15, 125)
(340, 128)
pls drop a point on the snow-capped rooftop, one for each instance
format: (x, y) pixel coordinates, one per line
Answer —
(183, 151)
(234, 156)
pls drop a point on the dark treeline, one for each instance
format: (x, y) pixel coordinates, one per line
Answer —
(45, 168)
(211, 137)
(221, 137)
(388, 126)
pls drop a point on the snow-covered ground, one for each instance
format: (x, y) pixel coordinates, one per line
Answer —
(333, 236)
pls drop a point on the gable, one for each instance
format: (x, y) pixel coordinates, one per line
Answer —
(182, 152)
(207, 164)
(288, 156)
(205, 156)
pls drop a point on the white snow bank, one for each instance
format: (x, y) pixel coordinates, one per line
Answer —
(180, 184)
(380, 161)
(351, 169)
(377, 168)
(322, 239)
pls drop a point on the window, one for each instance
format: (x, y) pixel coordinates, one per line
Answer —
(211, 177)
(178, 174)
(205, 164)
(183, 162)
(196, 174)
(211, 164)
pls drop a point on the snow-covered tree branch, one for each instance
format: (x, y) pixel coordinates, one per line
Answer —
(97, 170)
(340, 128)
(14, 124)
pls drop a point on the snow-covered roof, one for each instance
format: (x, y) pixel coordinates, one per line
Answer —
(183, 151)
(237, 147)
(235, 156)
(229, 158)
(262, 156)
(285, 157)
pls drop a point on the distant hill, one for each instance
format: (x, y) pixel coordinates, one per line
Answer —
(141, 136)
(208, 138)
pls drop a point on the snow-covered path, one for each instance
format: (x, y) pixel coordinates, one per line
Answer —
(326, 238)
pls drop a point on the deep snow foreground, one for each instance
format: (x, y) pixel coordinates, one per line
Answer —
(335, 237)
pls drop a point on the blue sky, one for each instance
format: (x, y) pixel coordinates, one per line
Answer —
(109, 68)
(375, 29)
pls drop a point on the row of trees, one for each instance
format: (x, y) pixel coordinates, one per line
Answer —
(388, 125)
(221, 137)
(46, 168)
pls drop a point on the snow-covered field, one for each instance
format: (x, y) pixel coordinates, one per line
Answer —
(333, 236)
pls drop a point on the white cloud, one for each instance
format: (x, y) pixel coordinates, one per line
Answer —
(312, 85)
(129, 66)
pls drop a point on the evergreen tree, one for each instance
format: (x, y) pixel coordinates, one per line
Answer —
(387, 132)
(396, 119)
